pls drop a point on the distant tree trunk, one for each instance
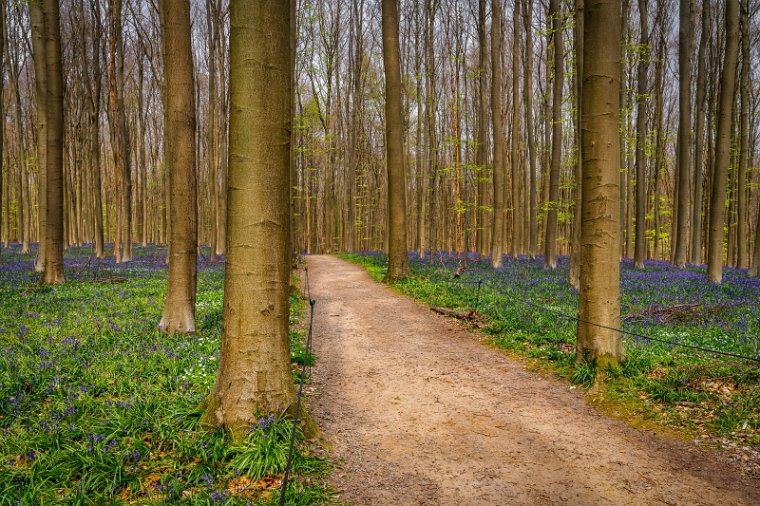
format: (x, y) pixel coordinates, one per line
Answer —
(685, 48)
(599, 299)
(179, 309)
(518, 173)
(497, 236)
(40, 98)
(94, 92)
(482, 152)
(528, 94)
(254, 370)
(550, 242)
(574, 270)
(398, 262)
(2, 103)
(53, 270)
(640, 250)
(699, 134)
(722, 144)
(120, 135)
(741, 201)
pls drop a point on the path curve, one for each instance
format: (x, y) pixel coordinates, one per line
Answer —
(417, 412)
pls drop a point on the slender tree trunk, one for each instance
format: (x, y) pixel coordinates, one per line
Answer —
(40, 95)
(528, 98)
(398, 262)
(53, 269)
(640, 250)
(574, 271)
(518, 216)
(741, 201)
(685, 48)
(254, 370)
(497, 235)
(179, 309)
(722, 144)
(599, 299)
(550, 242)
(2, 104)
(699, 129)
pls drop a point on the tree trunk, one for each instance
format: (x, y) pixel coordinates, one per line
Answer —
(741, 201)
(640, 249)
(53, 268)
(685, 48)
(40, 96)
(550, 242)
(574, 270)
(497, 235)
(254, 370)
(398, 262)
(599, 298)
(699, 129)
(518, 216)
(528, 97)
(179, 309)
(2, 103)
(722, 144)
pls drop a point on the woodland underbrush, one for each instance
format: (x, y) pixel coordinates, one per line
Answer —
(670, 317)
(98, 407)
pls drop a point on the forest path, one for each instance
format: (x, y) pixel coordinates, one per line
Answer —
(417, 412)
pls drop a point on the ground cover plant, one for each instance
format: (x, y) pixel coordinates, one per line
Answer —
(98, 407)
(522, 307)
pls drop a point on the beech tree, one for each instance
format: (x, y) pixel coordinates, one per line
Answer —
(53, 268)
(497, 235)
(254, 369)
(599, 298)
(179, 309)
(398, 262)
(550, 242)
(722, 144)
(2, 103)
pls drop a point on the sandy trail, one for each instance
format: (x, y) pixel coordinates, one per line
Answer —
(417, 412)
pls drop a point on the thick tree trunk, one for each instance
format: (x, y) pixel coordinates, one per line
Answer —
(254, 370)
(497, 235)
(550, 242)
(94, 90)
(722, 144)
(179, 309)
(398, 262)
(599, 299)
(53, 269)
(685, 48)
(518, 173)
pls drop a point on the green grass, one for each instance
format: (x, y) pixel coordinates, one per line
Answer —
(98, 407)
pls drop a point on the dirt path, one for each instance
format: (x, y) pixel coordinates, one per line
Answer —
(418, 412)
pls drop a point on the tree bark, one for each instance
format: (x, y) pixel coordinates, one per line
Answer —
(640, 249)
(574, 270)
(179, 309)
(398, 262)
(550, 242)
(53, 267)
(685, 48)
(741, 200)
(497, 235)
(722, 144)
(528, 97)
(40, 97)
(254, 370)
(599, 298)
(699, 129)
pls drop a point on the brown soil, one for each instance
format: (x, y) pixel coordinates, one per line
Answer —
(417, 412)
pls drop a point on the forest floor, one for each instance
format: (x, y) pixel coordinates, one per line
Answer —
(417, 411)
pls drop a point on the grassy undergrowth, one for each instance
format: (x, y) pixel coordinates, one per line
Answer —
(98, 407)
(522, 306)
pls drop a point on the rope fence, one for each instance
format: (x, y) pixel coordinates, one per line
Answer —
(507, 294)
